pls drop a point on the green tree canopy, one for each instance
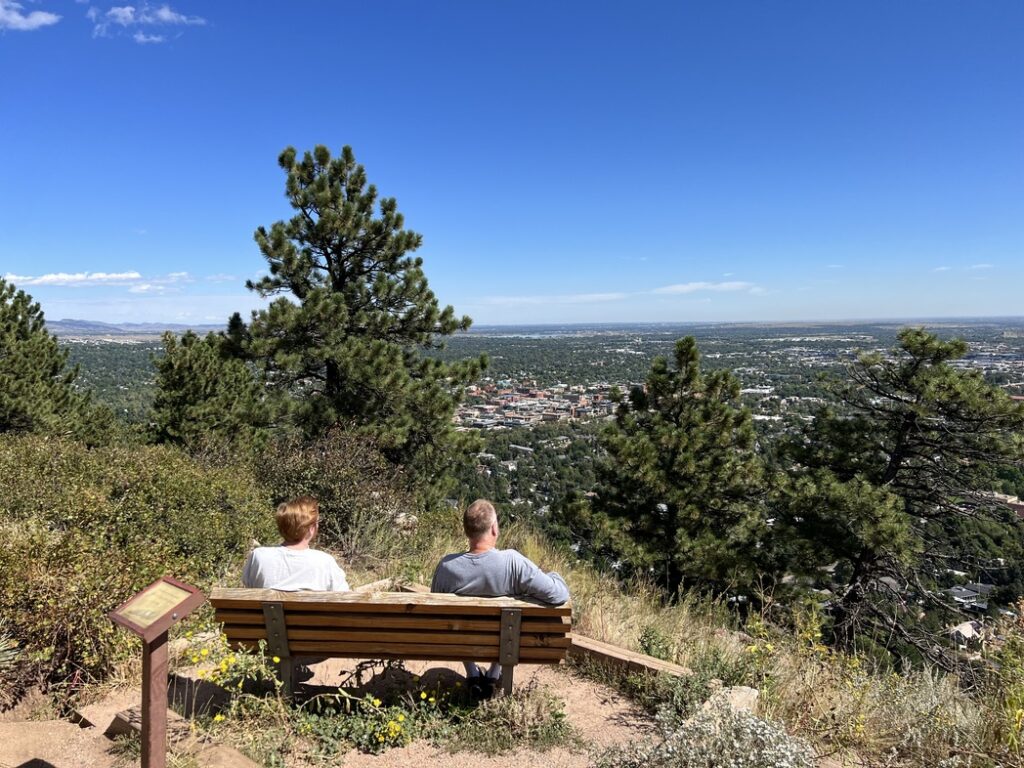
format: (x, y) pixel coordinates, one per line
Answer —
(36, 384)
(204, 391)
(912, 443)
(343, 342)
(682, 478)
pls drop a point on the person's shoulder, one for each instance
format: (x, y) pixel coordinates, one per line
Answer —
(320, 556)
(263, 553)
(451, 558)
(510, 554)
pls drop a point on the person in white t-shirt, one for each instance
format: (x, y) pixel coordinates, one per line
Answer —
(293, 565)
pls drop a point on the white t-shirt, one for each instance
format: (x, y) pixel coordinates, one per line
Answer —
(292, 570)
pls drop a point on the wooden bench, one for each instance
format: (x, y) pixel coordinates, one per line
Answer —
(394, 625)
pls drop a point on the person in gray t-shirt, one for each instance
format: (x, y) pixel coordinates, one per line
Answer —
(485, 571)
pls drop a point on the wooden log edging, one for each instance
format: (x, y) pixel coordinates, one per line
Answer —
(587, 649)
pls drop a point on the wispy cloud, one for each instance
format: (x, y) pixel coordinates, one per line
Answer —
(134, 280)
(221, 277)
(120, 18)
(980, 266)
(569, 298)
(694, 287)
(12, 17)
(942, 269)
(75, 278)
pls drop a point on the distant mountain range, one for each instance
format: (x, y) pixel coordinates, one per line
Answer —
(92, 328)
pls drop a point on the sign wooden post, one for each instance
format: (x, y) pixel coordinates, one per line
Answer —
(149, 614)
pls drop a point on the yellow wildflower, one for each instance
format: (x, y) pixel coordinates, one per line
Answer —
(376, 702)
(277, 659)
(401, 718)
(423, 694)
(204, 652)
(195, 659)
(217, 718)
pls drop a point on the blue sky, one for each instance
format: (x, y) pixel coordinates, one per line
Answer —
(564, 161)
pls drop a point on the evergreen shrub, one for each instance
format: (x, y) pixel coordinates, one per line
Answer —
(86, 528)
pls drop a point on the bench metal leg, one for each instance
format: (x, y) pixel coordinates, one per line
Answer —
(277, 645)
(286, 671)
(507, 671)
(508, 651)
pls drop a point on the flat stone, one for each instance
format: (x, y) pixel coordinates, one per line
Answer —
(739, 698)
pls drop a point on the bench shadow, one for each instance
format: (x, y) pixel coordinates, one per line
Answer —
(36, 762)
(389, 685)
(189, 697)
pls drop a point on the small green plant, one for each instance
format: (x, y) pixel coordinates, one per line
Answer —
(335, 723)
(656, 643)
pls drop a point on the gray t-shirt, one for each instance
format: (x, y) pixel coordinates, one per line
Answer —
(498, 573)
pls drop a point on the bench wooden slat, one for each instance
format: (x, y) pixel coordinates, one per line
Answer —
(367, 650)
(382, 602)
(250, 632)
(450, 653)
(555, 625)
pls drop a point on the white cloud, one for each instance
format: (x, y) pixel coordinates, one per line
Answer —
(135, 281)
(730, 285)
(164, 15)
(123, 15)
(980, 266)
(942, 269)
(11, 17)
(131, 16)
(75, 278)
(220, 277)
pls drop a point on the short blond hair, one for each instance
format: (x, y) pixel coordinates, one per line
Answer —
(296, 517)
(477, 519)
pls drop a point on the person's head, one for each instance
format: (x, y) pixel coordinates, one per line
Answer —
(297, 519)
(480, 521)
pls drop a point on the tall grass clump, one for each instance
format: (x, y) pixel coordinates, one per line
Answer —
(364, 504)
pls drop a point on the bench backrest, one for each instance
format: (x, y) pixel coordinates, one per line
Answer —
(394, 625)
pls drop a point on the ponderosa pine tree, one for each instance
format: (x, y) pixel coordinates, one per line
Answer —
(344, 340)
(205, 390)
(882, 482)
(36, 382)
(682, 480)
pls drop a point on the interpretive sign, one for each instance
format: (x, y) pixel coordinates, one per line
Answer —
(149, 614)
(153, 610)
